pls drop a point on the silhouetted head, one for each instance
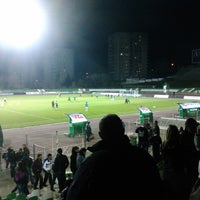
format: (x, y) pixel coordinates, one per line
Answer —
(49, 156)
(39, 156)
(82, 151)
(75, 149)
(172, 134)
(191, 125)
(59, 150)
(111, 127)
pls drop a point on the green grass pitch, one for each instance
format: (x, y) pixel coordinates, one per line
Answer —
(22, 111)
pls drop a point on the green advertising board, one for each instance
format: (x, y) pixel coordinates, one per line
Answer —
(77, 122)
(146, 115)
(190, 109)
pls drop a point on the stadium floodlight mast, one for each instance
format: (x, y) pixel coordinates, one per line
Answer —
(22, 22)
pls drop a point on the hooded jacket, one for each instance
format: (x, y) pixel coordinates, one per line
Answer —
(116, 170)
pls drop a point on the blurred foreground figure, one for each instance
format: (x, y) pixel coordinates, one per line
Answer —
(116, 169)
(190, 153)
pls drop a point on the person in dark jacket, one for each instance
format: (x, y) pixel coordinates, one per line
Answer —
(116, 169)
(143, 137)
(12, 160)
(21, 178)
(73, 157)
(156, 142)
(28, 162)
(173, 164)
(80, 156)
(191, 155)
(60, 165)
(37, 171)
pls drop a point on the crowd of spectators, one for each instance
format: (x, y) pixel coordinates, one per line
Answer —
(154, 168)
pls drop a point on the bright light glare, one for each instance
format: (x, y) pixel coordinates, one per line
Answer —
(21, 22)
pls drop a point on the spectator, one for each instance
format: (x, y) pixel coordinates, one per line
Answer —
(37, 171)
(61, 163)
(47, 166)
(80, 157)
(19, 154)
(116, 169)
(156, 128)
(5, 157)
(143, 137)
(73, 157)
(181, 130)
(28, 161)
(12, 160)
(21, 179)
(173, 164)
(156, 143)
(195, 193)
(149, 130)
(26, 149)
(197, 140)
(191, 156)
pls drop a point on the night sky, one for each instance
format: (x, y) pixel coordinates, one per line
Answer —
(172, 25)
(84, 25)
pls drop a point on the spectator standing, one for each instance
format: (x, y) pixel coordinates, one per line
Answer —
(80, 157)
(47, 167)
(156, 128)
(21, 178)
(173, 164)
(19, 154)
(149, 130)
(181, 130)
(5, 157)
(191, 155)
(12, 160)
(73, 157)
(143, 137)
(28, 161)
(156, 142)
(26, 149)
(197, 140)
(37, 171)
(116, 169)
(60, 165)
(195, 193)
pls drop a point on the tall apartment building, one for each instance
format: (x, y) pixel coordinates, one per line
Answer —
(127, 55)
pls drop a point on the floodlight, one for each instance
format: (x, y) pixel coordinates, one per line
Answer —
(22, 22)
